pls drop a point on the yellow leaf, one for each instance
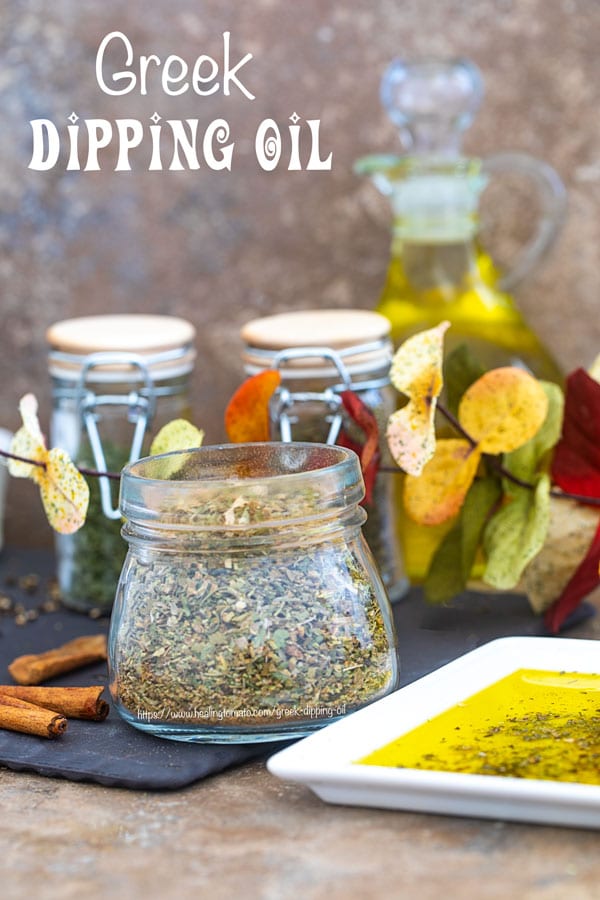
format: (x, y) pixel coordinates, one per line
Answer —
(64, 490)
(417, 372)
(594, 369)
(503, 409)
(65, 493)
(438, 493)
(179, 434)
(176, 435)
(28, 441)
(410, 436)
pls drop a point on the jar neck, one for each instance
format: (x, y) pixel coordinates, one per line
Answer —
(361, 366)
(338, 526)
(114, 367)
(67, 389)
(242, 494)
(441, 234)
(301, 382)
(429, 264)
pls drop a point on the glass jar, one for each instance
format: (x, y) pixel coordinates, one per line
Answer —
(116, 380)
(319, 354)
(249, 607)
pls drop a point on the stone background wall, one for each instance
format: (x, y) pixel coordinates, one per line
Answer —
(220, 247)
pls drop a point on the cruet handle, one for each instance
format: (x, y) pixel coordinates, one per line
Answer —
(553, 206)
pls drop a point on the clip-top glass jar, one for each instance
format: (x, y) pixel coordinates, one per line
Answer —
(319, 354)
(116, 380)
(249, 607)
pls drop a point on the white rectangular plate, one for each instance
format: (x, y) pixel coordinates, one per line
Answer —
(325, 761)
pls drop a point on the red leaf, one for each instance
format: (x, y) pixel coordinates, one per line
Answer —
(584, 579)
(368, 452)
(576, 461)
(370, 472)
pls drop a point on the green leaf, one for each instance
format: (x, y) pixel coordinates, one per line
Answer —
(452, 563)
(461, 370)
(523, 462)
(445, 577)
(516, 534)
(480, 501)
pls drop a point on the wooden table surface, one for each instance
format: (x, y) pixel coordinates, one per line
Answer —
(245, 833)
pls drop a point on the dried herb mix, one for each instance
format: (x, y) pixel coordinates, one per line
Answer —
(250, 631)
(245, 625)
(380, 528)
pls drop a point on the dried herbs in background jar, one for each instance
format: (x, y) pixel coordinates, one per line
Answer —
(319, 355)
(114, 380)
(91, 559)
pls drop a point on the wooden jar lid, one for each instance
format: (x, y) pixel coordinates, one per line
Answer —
(164, 343)
(361, 337)
(335, 328)
(137, 333)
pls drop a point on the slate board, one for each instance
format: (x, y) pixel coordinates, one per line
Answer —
(111, 753)
(114, 754)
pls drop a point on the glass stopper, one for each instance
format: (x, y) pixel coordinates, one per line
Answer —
(432, 102)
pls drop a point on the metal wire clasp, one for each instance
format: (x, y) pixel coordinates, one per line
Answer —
(284, 400)
(140, 410)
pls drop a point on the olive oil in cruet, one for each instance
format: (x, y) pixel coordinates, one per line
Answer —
(438, 268)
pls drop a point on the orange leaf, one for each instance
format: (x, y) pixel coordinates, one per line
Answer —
(247, 413)
(439, 492)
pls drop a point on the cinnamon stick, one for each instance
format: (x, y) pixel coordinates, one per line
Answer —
(18, 715)
(34, 668)
(72, 702)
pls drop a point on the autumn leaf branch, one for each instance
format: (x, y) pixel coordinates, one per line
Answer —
(495, 463)
(115, 476)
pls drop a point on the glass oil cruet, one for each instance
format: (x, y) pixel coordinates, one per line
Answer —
(438, 268)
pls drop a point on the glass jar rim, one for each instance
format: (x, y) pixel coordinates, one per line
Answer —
(225, 483)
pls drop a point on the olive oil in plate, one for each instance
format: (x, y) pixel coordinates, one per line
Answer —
(531, 724)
